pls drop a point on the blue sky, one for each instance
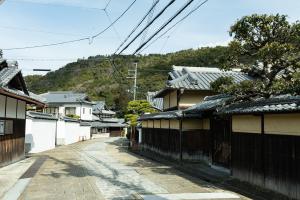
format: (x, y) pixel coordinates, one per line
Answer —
(35, 22)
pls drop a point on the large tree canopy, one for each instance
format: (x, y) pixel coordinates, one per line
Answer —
(274, 43)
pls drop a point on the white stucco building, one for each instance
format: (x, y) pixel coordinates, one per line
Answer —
(68, 104)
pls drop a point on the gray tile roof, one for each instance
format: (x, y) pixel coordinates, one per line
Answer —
(39, 115)
(174, 114)
(200, 78)
(65, 97)
(107, 125)
(9, 70)
(7, 74)
(272, 105)
(210, 103)
(157, 103)
(99, 107)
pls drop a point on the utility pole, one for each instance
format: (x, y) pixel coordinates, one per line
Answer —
(133, 76)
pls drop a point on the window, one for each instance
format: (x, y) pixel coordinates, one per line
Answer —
(83, 110)
(90, 111)
(70, 111)
(6, 127)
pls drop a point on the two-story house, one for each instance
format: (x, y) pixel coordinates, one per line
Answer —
(187, 86)
(181, 135)
(14, 97)
(68, 104)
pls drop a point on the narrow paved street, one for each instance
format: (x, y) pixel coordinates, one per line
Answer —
(103, 169)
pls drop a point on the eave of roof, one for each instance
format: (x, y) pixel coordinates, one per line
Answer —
(209, 104)
(38, 115)
(273, 105)
(19, 95)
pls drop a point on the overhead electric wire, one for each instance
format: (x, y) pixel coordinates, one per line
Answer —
(153, 20)
(107, 4)
(110, 21)
(136, 27)
(164, 25)
(146, 31)
(75, 40)
(178, 22)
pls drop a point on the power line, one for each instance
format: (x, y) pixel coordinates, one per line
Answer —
(107, 4)
(146, 31)
(178, 22)
(136, 27)
(149, 24)
(76, 40)
(110, 21)
(164, 25)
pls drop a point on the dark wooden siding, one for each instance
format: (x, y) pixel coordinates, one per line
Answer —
(12, 145)
(115, 132)
(270, 161)
(221, 142)
(196, 143)
(247, 160)
(282, 164)
(165, 140)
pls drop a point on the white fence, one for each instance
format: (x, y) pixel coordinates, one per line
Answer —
(44, 132)
(40, 135)
(69, 132)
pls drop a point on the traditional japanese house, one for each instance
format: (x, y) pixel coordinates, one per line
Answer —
(156, 103)
(114, 127)
(185, 135)
(266, 143)
(187, 86)
(13, 99)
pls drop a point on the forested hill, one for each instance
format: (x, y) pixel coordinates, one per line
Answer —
(92, 75)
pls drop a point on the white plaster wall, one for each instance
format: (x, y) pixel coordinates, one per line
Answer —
(2, 106)
(72, 132)
(11, 108)
(88, 116)
(86, 132)
(60, 136)
(21, 110)
(40, 134)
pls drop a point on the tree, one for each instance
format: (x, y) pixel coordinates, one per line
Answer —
(137, 108)
(275, 45)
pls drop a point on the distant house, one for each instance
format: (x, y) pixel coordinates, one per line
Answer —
(113, 126)
(13, 99)
(104, 121)
(156, 103)
(100, 110)
(187, 86)
(68, 104)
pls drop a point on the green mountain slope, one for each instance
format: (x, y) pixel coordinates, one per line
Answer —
(96, 77)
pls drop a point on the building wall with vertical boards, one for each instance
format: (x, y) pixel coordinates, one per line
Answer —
(266, 151)
(12, 129)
